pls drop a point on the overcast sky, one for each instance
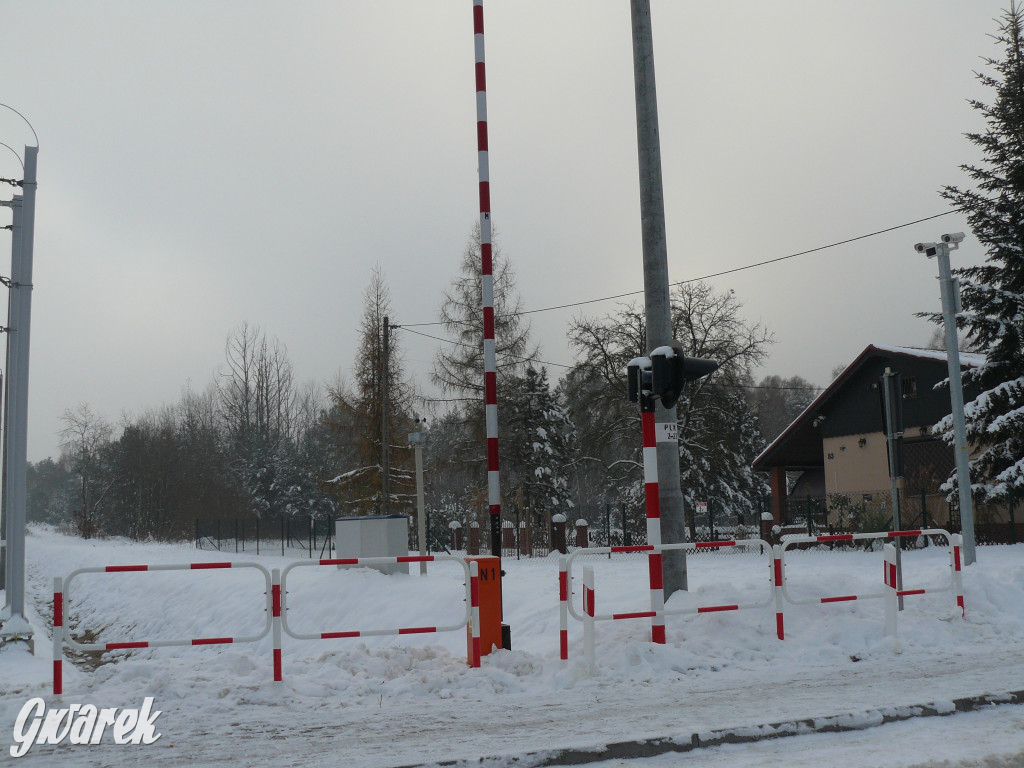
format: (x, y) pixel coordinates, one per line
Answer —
(204, 164)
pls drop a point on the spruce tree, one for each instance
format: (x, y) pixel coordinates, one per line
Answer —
(540, 444)
(993, 293)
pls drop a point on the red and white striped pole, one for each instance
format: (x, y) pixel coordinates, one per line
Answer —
(487, 285)
(778, 576)
(958, 582)
(474, 598)
(58, 636)
(275, 601)
(588, 617)
(653, 517)
(891, 578)
(563, 609)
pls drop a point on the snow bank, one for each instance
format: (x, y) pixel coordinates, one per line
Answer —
(732, 659)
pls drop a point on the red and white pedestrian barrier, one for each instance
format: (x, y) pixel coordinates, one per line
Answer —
(955, 585)
(276, 610)
(658, 611)
(471, 617)
(62, 599)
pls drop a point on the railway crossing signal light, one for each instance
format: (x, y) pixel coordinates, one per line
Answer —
(663, 374)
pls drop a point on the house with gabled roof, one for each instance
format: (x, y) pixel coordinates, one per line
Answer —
(838, 444)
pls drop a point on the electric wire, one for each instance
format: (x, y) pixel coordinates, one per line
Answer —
(570, 367)
(708, 276)
(408, 327)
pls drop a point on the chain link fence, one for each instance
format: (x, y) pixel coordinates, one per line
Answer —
(286, 536)
(995, 519)
(533, 534)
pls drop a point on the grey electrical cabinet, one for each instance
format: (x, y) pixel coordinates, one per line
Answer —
(379, 536)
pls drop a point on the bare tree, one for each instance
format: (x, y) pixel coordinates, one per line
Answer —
(718, 435)
(258, 409)
(85, 438)
(257, 392)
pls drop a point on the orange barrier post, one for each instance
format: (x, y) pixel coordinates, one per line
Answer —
(489, 584)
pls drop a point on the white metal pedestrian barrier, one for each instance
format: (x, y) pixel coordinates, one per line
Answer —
(471, 618)
(777, 594)
(61, 599)
(658, 612)
(275, 607)
(955, 585)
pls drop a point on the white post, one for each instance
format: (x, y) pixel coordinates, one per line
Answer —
(891, 590)
(588, 617)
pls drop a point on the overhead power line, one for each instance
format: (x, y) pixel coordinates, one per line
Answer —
(708, 276)
(570, 367)
(470, 346)
(408, 327)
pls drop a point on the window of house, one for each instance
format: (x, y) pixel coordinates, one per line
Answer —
(910, 388)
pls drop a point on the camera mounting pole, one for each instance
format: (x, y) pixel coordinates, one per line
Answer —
(949, 291)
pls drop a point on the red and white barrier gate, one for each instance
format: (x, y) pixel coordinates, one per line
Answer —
(471, 617)
(61, 599)
(955, 585)
(658, 612)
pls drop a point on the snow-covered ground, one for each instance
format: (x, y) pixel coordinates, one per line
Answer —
(393, 701)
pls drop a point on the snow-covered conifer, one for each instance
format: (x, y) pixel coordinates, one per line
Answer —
(993, 293)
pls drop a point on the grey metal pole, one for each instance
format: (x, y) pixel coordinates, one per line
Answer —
(658, 319)
(891, 436)
(21, 284)
(385, 431)
(948, 291)
(421, 518)
(10, 529)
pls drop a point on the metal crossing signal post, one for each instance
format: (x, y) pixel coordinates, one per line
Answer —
(892, 414)
(659, 377)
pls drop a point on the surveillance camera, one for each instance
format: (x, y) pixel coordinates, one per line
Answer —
(953, 237)
(928, 249)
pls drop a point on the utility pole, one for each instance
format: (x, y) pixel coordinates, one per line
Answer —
(16, 626)
(15, 204)
(385, 426)
(657, 309)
